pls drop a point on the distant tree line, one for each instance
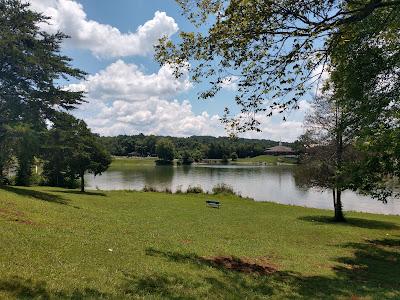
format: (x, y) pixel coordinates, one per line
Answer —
(188, 148)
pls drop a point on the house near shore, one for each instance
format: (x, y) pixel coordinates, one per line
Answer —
(280, 151)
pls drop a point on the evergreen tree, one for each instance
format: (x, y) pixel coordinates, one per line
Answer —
(30, 67)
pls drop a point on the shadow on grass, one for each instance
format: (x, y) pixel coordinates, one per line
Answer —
(373, 270)
(75, 192)
(356, 222)
(35, 194)
(174, 286)
(21, 288)
(163, 285)
(224, 263)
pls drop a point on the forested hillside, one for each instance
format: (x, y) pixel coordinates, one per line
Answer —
(199, 146)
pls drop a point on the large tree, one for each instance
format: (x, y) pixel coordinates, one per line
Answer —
(73, 151)
(273, 50)
(31, 70)
(327, 150)
(165, 150)
(366, 72)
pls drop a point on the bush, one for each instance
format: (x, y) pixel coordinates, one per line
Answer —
(223, 188)
(194, 190)
(234, 156)
(165, 149)
(179, 190)
(186, 158)
(148, 188)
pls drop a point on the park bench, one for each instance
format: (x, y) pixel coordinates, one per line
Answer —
(213, 203)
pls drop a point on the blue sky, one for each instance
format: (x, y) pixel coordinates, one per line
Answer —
(127, 91)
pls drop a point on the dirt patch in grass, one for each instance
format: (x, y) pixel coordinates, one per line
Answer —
(243, 265)
(15, 215)
(186, 242)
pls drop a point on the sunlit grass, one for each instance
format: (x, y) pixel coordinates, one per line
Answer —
(267, 159)
(123, 163)
(57, 243)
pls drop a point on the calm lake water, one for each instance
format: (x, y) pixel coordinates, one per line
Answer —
(262, 183)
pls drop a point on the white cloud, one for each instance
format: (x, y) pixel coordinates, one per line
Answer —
(278, 130)
(122, 99)
(230, 83)
(128, 82)
(103, 40)
(154, 116)
(275, 128)
(320, 75)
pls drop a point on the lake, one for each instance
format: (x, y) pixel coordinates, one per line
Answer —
(262, 183)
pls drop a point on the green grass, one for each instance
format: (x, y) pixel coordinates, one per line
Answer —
(119, 163)
(267, 159)
(55, 243)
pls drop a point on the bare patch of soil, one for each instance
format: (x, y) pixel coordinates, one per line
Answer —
(15, 215)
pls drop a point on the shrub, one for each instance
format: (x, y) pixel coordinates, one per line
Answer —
(223, 188)
(148, 188)
(194, 190)
(165, 149)
(179, 190)
(234, 156)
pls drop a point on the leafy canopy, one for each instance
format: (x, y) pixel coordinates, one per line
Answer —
(72, 151)
(165, 149)
(274, 50)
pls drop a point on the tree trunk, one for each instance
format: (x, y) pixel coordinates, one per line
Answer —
(334, 197)
(339, 217)
(337, 193)
(82, 182)
(1, 175)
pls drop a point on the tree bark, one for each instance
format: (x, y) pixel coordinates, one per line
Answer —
(1, 175)
(334, 197)
(339, 217)
(82, 182)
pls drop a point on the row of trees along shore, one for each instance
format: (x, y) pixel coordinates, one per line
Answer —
(31, 67)
(197, 147)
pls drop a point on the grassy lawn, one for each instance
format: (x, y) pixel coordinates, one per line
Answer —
(268, 159)
(119, 163)
(57, 243)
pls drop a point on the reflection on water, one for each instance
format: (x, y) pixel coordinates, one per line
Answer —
(262, 183)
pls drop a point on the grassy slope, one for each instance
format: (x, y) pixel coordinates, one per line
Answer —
(54, 244)
(268, 159)
(126, 163)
